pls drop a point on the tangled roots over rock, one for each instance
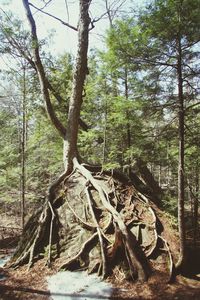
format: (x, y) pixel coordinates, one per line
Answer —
(94, 221)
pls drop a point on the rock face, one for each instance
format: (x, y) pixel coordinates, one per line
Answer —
(96, 221)
(79, 226)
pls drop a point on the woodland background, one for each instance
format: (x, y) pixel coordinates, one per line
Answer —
(135, 92)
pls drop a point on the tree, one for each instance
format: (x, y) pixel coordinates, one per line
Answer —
(162, 40)
(106, 232)
(14, 106)
(23, 148)
(10, 143)
(71, 134)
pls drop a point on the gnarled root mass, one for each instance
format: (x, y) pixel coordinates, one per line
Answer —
(94, 221)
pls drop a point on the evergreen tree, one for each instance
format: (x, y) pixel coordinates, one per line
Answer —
(165, 38)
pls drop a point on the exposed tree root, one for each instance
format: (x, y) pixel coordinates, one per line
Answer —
(27, 246)
(99, 232)
(85, 225)
(50, 234)
(171, 262)
(96, 222)
(153, 224)
(86, 247)
(137, 265)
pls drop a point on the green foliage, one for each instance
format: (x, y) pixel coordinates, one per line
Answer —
(9, 154)
(44, 160)
(169, 205)
(129, 104)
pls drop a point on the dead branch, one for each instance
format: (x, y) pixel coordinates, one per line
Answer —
(54, 17)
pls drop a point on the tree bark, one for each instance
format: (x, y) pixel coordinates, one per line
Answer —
(149, 180)
(23, 150)
(196, 206)
(128, 129)
(80, 72)
(181, 184)
(69, 135)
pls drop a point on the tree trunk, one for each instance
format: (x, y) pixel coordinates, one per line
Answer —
(80, 72)
(23, 150)
(38, 66)
(148, 179)
(91, 219)
(181, 184)
(196, 206)
(128, 129)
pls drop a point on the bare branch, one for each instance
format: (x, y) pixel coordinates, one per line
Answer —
(110, 12)
(66, 5)
(190, 85)
(99, 18)
(46, 4)
(193, 72)
(54, 17)
(192, 106)
(112, 9)
(189, 45)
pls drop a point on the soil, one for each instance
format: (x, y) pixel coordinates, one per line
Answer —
(32, 284)
(20, 284)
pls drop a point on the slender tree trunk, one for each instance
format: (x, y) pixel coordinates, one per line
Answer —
(105, 133)
(108, 11)
(196, 206)
(69, 135)
(168, 167)
(127, 111)
(128, 130)
(80, 72)
(23, 150)
(181, 184)
(38, 66)
(160, 174)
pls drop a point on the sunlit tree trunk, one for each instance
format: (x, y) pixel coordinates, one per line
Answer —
(181, 184)
(128, 130)
(69, 133)
(80, 72)
(23, 149)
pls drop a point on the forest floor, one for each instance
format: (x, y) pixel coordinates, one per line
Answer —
(20, 284)
(32, 284)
